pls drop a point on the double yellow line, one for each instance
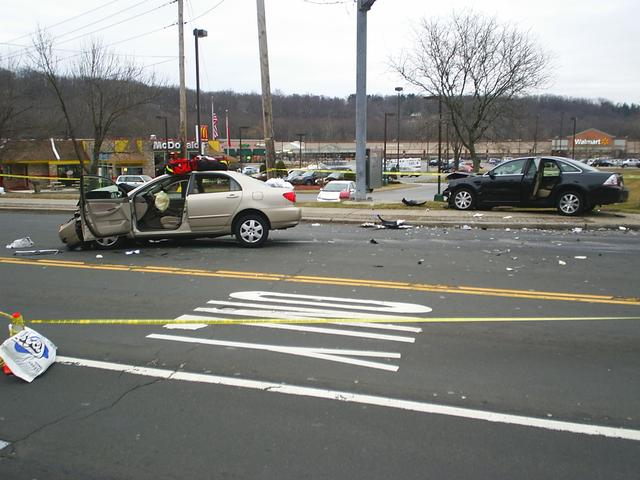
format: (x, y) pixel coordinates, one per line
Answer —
(345, 282)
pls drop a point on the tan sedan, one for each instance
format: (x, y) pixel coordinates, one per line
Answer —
(198, 204)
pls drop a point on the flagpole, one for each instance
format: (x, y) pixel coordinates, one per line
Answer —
(226, 119)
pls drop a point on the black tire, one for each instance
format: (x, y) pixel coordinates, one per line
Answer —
(463, 199)
(251, 230)
(570, 203)
(108, 243)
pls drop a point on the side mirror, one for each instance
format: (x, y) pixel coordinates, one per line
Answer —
(492, 175)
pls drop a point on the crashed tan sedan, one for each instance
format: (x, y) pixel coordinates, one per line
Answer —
(197, 204)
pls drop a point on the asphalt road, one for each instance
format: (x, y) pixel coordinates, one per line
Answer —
(410, 395)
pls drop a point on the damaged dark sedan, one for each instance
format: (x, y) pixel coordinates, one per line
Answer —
(569, 186)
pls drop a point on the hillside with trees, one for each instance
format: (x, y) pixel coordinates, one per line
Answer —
(29, 109)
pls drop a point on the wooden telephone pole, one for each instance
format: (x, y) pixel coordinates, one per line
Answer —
(267, 110)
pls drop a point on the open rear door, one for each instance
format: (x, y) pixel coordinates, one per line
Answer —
(104, 207)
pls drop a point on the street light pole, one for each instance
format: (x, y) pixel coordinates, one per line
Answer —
(240, 142)
(399, 90)
(300, 137)
(166, 137)
(198, 33)
(573, 154)
(384, 165)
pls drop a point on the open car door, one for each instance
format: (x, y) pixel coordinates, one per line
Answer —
(104, 207)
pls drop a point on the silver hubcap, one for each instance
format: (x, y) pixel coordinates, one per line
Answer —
(107, 241)
(569, 203)
(251, 231)
(463, 200)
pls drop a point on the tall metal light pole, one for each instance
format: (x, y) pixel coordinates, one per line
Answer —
(240, 142)
(361, 98)
(399, 90)
(384, 166)
(300, 137)
(573, 154)
(198, 33)
(166, 137)
(561, 128)
(182, 129)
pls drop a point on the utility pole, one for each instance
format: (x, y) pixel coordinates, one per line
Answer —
(183, 89)
(361, 99)
(267, 110)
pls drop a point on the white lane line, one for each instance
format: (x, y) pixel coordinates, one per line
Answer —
(381, 326)
(396, 308)
(4, 444)
(333, 355)
(334, 331)
(422, 407)
(288, 311)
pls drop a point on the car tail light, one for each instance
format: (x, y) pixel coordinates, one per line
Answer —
(612, 181)
(344, 194)
(291, 196)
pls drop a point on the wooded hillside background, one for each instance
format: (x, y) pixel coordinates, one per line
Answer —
(28, 109)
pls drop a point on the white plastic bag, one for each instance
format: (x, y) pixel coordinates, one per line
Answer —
(28, 354)
(21, 243)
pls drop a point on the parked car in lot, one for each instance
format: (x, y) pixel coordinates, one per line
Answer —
(342, 175)
(307, 177)
(197, 204)
(133, 180)
(631, 162)
(568, 185)
(336, 191)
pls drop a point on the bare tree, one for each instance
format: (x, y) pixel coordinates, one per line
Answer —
(108, 89)
(10, 98)
(476, 65)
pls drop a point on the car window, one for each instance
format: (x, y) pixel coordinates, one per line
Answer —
(565, 167)
(214, 184)
(550, 168)
(515, 167)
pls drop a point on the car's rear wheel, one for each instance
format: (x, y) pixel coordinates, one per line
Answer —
(252, 230)
(570, 203)
(463, 199)
(107, 243)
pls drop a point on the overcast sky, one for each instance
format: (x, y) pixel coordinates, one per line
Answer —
(595, 44)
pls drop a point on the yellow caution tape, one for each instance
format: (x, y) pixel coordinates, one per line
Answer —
(38, 177)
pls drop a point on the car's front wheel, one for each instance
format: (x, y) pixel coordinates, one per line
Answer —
(570, 203)
(463, 199)
(251, 230)
(107, 243)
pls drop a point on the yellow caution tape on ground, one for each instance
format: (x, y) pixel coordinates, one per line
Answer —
(239, 321)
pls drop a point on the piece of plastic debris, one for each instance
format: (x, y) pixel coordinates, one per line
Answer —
(421, 261)
(509, 269)
(390, 223)
(28, 354)
(580, 257)
(465, 227)
(562, 262)
(412, 203)
(373, 240)
(315, 224)
(622, 228)
(99, 256)
(132, 252)
(507, 229)
(21, 243)
(576, 230)
(51, 251)
(478, 214)
(368, 225)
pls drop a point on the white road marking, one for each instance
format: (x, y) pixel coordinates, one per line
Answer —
(422, 407)
(334, 355)
(4, 444)
(381, 326)
(327, 302)
(334, 331)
